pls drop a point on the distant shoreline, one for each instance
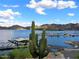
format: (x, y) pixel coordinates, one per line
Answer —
(53, 27)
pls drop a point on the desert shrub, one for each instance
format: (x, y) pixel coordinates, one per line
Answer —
(20, 54)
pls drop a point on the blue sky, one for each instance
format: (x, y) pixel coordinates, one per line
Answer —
(23, 12)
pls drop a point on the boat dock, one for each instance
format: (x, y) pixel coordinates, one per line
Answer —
(58, 35)
(73, 43)
(11, 44)
(58, 48)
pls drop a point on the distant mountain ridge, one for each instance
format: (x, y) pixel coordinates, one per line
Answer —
(13, 27)
(69, 26)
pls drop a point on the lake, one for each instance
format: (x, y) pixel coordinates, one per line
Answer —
(6, 35)
(59, 41)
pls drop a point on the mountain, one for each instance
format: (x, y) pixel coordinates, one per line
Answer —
(69, 26)
(13, 27)
(17, 27)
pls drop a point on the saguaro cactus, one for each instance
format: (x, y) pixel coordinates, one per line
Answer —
(37, 50)
(43, 51)
(33, 46)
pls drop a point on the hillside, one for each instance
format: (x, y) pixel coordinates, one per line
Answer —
(69, 26)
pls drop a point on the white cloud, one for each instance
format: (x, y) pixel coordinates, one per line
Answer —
(47, 3)
(71, 14)
(9, 6)
(7, 17)
(3, 20)
(40, 11)
(72, 4)
(66, 4)
(24, 24)
(8, 14)
(8, 23)
(43, 4)
(32, 4)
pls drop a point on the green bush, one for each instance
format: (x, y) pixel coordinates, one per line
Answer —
(4, 57)
(77, 56)
(20, 54)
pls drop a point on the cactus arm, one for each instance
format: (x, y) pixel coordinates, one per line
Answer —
(43, 46)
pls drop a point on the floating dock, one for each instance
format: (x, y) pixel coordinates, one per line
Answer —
(12, 44)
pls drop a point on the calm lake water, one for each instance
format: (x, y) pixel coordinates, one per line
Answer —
(6, 35)
(59, 41)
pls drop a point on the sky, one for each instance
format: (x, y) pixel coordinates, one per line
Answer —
(23, 12)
